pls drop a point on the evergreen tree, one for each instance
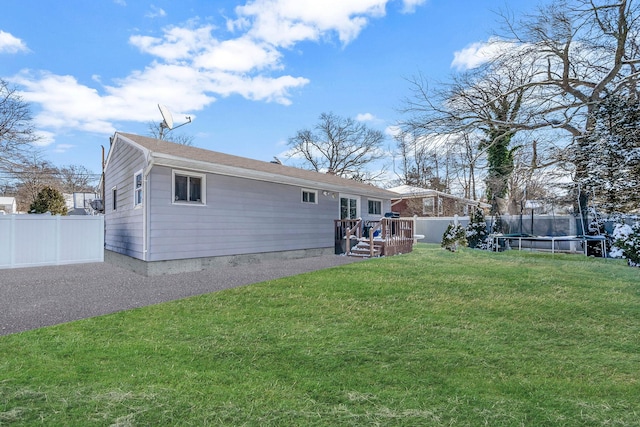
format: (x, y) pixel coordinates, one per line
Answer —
(49, 200)
(477, 230)
(610, 153)
(454, 237)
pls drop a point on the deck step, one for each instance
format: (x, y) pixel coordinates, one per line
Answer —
(363, 249)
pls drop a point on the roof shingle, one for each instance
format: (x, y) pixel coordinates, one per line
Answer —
(156, 146)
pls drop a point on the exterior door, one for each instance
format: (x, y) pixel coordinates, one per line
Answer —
(349, 207)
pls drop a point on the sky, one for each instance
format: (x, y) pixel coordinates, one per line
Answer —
(249, 73)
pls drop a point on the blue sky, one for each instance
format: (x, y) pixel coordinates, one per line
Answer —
(250, 73)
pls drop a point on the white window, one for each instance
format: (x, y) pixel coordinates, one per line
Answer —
(137, 189)
(349, 207)
(114, 197)
(375, 207)
(309, 196)
(428, 205)
(189, 187)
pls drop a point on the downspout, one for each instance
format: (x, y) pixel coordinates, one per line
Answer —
(145, 208)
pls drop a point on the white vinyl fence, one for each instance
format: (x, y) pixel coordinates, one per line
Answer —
(539, 225)
(36, 240)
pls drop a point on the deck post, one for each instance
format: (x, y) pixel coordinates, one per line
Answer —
(371, 242)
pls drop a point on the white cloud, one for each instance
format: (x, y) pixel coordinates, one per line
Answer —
(11, 44)
(177, 43)
(409, 6)
(284, 23)
(193, 64)
(156, 12)
(238, 55)
(44, 138)
(63, 148)
(393, 131)
(365, 117)
(477, 54)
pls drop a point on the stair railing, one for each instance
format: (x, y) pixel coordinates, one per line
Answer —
(345, 229)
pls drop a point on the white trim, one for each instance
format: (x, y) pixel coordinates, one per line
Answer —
(114, 198)
(203, 187)
(352, 197)
(307, 190)
(137, 190)
(374, 200)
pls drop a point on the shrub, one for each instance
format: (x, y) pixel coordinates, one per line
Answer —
(49, 200)
(626, 243)
(477, 230)
(454, 237)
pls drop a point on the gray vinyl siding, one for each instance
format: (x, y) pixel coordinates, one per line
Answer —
(124, 226)
(242, 216)
(364, 208)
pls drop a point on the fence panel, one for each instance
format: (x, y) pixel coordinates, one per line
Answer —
(540, 225)
(433, 228)
(37, 240)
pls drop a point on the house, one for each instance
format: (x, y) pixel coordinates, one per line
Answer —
(181, 208)
(410, 201)
(8, 205)
(80, 203)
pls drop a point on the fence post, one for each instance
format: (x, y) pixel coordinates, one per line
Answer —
(12, 241)
(58, 238)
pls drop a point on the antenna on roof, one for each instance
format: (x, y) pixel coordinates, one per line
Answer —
(167, 120)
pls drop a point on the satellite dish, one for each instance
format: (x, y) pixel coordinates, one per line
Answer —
(167, 120)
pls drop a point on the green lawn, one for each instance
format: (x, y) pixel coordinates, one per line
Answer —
(429, 338)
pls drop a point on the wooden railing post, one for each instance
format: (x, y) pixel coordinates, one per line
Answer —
(371, 242)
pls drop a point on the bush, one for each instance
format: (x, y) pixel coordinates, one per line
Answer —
(477, 230)
(626, 243)
(454, 237)
(49, 200)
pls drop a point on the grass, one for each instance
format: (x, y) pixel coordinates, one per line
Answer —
(429, 338)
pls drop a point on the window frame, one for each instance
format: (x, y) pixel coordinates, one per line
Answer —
(114, 198)
(138, 192)
(379, 204)
(189, 174)
(349, 197)
(429, 205)
(308, 191)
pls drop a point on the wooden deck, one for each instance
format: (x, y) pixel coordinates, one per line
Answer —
(386, 237)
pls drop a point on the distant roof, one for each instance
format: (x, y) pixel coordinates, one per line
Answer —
(409, 191)
(4, 200)
(178, 155)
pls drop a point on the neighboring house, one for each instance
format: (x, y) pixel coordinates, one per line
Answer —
(80, 203)
(8, 205)
(411, 201)
(166, 201)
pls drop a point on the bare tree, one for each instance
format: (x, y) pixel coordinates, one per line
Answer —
(76, 178)
(16, 127)
(31, 177)
(339, 146)
(479, 106)
(178, 138)
(428, 161)
(584, 51)
(552, 70)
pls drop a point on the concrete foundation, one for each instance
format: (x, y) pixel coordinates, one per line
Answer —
(159, 268)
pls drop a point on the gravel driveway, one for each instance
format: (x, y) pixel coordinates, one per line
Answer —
(31, 298)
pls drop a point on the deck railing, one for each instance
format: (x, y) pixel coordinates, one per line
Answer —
(395, 234)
